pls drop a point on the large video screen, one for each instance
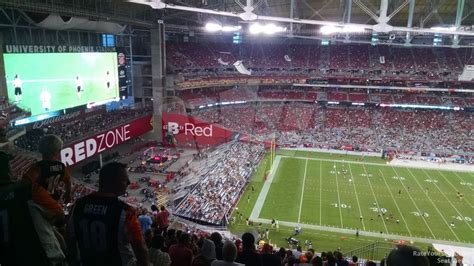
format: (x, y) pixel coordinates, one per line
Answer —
(46, 82)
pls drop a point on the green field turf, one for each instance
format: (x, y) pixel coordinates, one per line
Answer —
(56, 72)
(311, 189)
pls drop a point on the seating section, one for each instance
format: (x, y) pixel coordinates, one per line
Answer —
(211, 184)
(367, 128)
(358, 60)
(79, 129)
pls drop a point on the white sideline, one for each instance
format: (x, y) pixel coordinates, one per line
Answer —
(302, 190)
(367, 233)
(263, 193)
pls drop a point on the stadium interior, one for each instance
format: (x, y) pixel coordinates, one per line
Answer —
(260, 132)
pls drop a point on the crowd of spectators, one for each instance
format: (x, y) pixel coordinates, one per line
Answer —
(363, 128)
(206, 190)
(78, 129)
(205, 96)
(354, 60)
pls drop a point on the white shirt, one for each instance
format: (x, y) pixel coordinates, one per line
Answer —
(17, 83)
(78, 82)
(45, 98)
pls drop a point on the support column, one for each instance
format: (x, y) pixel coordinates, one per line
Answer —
(348, 11)
(411, 11)
(158, 70)
(457, 23)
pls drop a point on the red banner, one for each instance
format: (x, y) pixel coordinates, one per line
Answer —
(187, 131)
(89, 147)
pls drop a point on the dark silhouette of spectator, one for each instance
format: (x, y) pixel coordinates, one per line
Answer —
(407, 256)
(268, 257)
(340, 260)
(106, 230)
(317, 261)
(21, 235)
(170, 238)
(157, 256)
(354, 261)
(229, 254)
(249, 255)
(217, 239)
(181, 254)
(207, 253)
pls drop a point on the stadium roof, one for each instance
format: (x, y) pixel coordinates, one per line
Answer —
(301, 17)
(427, 13)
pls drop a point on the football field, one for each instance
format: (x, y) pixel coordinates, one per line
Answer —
(379, 200)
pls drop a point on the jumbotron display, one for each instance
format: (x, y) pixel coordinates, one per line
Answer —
(45, 82)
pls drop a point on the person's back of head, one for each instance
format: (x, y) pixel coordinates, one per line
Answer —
(113, 178)
(355, 259)
(184, 238)
(216, 238)
(162, 208)
(229, 251)
(406, 256)
(50, 147)
(158, 242)
(208, 249)
(317, 261)
(248, 241)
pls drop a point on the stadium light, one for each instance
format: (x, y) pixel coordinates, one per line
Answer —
(214, 27)
(327, 30)
(270, 28)
(444, 28)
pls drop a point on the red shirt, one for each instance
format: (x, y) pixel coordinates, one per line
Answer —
(163, 219)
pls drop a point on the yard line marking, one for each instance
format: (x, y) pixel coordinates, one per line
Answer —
(376, 201)
(460, 178)
(320, 191)
(413, 201)
(365, 163)
(396, 204)
(447, 179)
(357, 197)
(436, 208)
(450, 203)
(470, 204)
(302, 190)
(338, 195)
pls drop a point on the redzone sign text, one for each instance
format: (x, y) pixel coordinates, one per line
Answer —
(89, 147)
(97, 144)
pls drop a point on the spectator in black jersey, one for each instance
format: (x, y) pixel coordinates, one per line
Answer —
(18, 233)
(249, 255)
(106, 230)
(50, 179)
